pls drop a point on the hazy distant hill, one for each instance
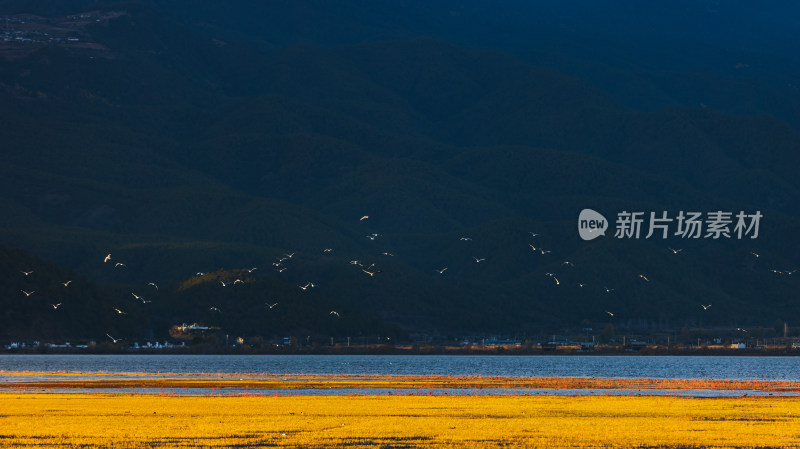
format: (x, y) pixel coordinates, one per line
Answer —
(182, 144)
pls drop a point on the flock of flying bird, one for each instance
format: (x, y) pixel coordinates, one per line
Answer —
(641, 276)
(279, 266)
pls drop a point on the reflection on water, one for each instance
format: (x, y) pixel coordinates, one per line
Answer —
(661, 367)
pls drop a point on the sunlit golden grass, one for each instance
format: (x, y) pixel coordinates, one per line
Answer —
(81, 420)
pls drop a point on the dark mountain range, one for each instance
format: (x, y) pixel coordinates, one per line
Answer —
(186, 137)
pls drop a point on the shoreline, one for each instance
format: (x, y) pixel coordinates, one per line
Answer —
(644, 352)
(268, 382)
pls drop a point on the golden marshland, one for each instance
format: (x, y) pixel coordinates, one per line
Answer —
(166, 421)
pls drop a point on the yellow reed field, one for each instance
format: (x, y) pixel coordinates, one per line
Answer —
(123, 421)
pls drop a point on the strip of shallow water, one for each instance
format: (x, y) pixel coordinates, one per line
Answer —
(413, 392)
(660, 367)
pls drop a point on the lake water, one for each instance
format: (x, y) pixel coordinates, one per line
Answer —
(661, 367)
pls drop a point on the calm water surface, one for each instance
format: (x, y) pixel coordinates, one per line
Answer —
(663, 367)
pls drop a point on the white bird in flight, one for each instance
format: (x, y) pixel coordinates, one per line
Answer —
(55, 306)
(271, 305)
(27, 273)
(66, 283)
(327, 250)
(545, 252)
(136, 296)
(252, 269)
(533, 234)
(675, 251)
(372, 236)
(568, 263)
(644, 277)
(333, 312)
(28, 294)
(107, 258)
(466, 239)
(214, 309)
(609, 313)
(223, 283)
(289, 256)
(115, 340)
(238, 281)
(364, 218)
(705, 307)
(442, 270)
(281, 270)
(478, 260)
(372, 273)
(387, 254)
(153, 284)
(119, 264)
(120, 311)
(753, 253)
(608, 290)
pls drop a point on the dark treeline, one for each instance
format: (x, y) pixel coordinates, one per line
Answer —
(186, 137)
